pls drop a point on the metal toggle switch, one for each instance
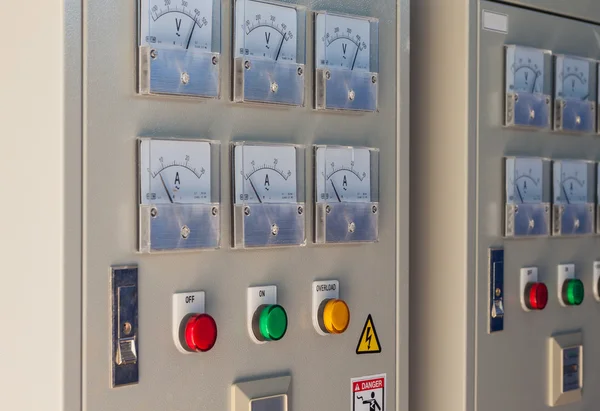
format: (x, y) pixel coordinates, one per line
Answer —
(498, 309)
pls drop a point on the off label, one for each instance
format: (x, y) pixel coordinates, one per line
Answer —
(368, 393)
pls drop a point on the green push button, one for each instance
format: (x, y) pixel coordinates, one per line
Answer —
(272, 322)
(572, 292)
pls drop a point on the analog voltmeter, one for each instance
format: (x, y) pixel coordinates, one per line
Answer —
(179, 194)
(528, 87)
(268, 195)
(346, 57)
(574, 188)
(269, 52)
(346, 194)
(528, 196)
(179, 47)
(575, 94)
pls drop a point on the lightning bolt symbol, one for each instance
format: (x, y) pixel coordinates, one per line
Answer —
(368, 339)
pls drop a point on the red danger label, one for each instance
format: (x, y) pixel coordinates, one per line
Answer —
(368, 393)
(369, 385)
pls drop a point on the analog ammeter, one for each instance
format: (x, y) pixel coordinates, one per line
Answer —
(268, 204)
(528, 196)
(346, 62)
(179, 47)
(268, 52)
(346, 194)
(575, 94)
(528, 87)
(178, 194)
(574, 191)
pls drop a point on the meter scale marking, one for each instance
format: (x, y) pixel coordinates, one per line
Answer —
(285, 36)
(175, 164)
(268, 167)
(565, 181)
(516, 184)
(529, 70)
(348, 169)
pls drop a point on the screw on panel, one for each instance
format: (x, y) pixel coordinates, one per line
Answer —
(498, 292)
(185, 232)
(516, 98)
(374, 79)
(215, 60)
(351, 95)
(300, 71)
(532, 114)
(274, 87)
(247, 65)
(328, 75)
(247, 210)
(153, 54)
(215, 211)
(185, 78)
(328, 209)
(531, 223)
(127, 328)
(374, 209)
(351, 227)
(153, 212)
(300, 210)
(274, 229)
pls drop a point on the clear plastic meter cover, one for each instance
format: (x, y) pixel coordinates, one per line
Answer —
(528, 87)
(268, 195)
(346, 62)
(269, 52)
(528, 196)
(574, 197)
(575, 94)
(180, 42)
(179, 194)
(346, 194)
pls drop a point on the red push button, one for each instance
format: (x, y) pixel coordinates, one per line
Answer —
(536, 296)
(200, 332)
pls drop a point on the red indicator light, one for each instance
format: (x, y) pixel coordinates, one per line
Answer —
(536, 296)
(200, 332)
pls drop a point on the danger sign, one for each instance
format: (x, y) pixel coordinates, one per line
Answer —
(368, 393)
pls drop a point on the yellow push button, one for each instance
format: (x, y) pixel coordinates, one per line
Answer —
(336, 316)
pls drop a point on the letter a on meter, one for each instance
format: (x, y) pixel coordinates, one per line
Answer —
(368, 393)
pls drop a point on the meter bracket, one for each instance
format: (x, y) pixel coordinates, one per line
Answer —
(167, 68)
(268, 223)
(260, 79)
(573, 217)
(346, 88)
(182, 226)
(575, 95)
(528, 218)
(528, 107)
(178, 72)
(350, 220)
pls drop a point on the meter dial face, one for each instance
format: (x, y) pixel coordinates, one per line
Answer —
(526, 70)
(342, 42)
(265, 174)
(525, 181)
(574, 76)
(343, 174)
(177, 24)
(570, 182)
(175, 172)
(265, 30)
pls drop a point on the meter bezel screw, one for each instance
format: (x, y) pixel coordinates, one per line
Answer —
(215, 211)
(215, 60)
(247, 65)
(374, 79)
(328, 74)
(300, 71)
(328, 209)
(247, 211)
(185, 232)
(153, 54)
(374, 209)
(153, 212)
(300, 210)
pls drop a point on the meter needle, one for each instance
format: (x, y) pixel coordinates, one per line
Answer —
(355, 56)
(519, 192)
(255, 192)
(280, 46)
(336, 192)
(165, 186)
(190, 37)
(566, 196)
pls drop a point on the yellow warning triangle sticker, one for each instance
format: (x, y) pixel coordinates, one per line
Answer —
(369, 341)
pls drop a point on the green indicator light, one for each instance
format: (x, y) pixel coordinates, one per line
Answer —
(272, 322)
(573, 292)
